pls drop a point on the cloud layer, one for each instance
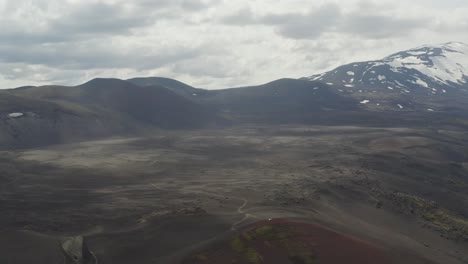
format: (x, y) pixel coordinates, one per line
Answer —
(210, 43)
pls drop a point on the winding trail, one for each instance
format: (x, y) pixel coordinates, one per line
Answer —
(94, 256)
(240, 210)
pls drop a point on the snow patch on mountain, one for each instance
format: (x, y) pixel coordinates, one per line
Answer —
(447, 63)
(15, 115)
(429, 78)
(425, 66)
(381, 77)
(421, 83)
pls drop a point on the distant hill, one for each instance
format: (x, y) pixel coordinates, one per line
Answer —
(171, 84)
(431, 78)
(151, 105)
(26, 122)
(100, 107)
(284, 100)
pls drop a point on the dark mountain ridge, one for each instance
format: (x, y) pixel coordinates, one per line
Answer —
(427, 85)
(98, 108)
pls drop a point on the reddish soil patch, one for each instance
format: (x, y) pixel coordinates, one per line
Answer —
(283, 241)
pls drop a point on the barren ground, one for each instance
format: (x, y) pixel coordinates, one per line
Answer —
(160, 198)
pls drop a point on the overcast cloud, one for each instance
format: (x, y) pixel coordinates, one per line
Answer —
(211, 43)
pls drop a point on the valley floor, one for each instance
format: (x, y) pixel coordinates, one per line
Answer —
(165, 197)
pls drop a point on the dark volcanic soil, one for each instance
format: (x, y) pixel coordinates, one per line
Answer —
(380, 193)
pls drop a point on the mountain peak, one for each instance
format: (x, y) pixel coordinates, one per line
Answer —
(455, 45)
(446, 63)
(429, 71)
(101, 81)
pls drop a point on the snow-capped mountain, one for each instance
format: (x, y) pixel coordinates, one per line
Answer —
(420, 78)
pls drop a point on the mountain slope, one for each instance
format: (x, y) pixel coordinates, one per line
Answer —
(122, 100)
(99, 108)
(171, 84)
(27, 122)
(154, 105)
(428, 78)
(284, 100)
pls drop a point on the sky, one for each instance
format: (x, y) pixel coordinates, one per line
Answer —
(211, 44)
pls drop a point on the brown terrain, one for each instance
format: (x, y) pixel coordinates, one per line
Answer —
(281, 241)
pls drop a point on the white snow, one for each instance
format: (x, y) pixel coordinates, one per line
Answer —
(390, 88)
(365, 102)
(15, 115)
(398, 83)
(430, 110)
(316, 88)
(450, 66)
(349, 85)
(422, 83)
(400, 106)
(194, 94)
(445, 64)
(316, 77)
(416, 53)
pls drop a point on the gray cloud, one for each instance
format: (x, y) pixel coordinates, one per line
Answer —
(98, 55)
(330, 18)
(311, 25)
(86, 20)
(100, 18)
(376, 27)
(92, 35)
(242, 17)
(206, 42)
(191, 5)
